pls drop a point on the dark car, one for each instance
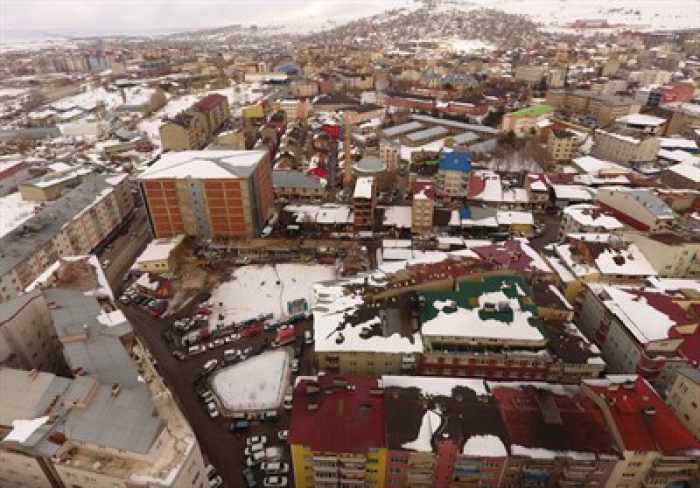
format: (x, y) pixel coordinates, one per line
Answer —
(240, 426)
(249, 478)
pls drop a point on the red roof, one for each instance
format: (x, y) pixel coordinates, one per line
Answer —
(508, 254)
(642, 419)
(347, 419)
(538, 419)
(476, 185)
(210, 101)
(319, 172)
(427, 188)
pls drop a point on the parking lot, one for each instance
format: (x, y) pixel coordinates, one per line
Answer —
(222, 448)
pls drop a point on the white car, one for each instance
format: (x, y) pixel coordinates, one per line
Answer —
(275, 481)
(255, 459)
(257, 439)
(216, 482)
(213, 411)
(275, 468)
(253, 448)
(283, 435)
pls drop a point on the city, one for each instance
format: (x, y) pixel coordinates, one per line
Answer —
(430, 243)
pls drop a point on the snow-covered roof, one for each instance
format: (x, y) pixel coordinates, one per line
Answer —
(592, 216)
(159, 249)
(208, 164)
(689, 170)
(398, 216)
(589, 164)
(641, 119)
(573, 192)
(363, 187)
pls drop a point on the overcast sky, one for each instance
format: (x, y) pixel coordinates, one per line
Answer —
(148, 14)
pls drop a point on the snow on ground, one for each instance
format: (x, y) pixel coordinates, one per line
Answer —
(258, 290)
(14, 211)
(258, 383)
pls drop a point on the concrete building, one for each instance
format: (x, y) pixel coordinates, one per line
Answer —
(524, 121)
(653, 77)
(364, 200)
(452, 179)
(531, 75)
(628, 148)
(603, 109)
(561, 145)
(585, 218)
(338, 439)
(390, 154)
(74, 224)
(647, 331)
(671, 254)
(640, 209)
(295, 185)
(293, 109)
(208, 193)
(52, 185)
(194, 128)
(423, 207)
(683, 176)
(161, 255)
(683, 397)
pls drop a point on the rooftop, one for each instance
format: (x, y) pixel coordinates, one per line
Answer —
(455, 161)
(210, 101)
(207, 164)
(534, 111)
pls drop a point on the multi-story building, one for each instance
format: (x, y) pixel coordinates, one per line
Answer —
(640, 209)
(672, 255)
(337, 433)
(423, 207)
(209, 193)
(603, 109)
(683, 396)
(561, 145)
(215, 109)
(653, 77)
(586, 218)
(648, 331)
(685, 176)
(52, 185)
(364, 200)
(525, 120)
(293, 109)
(531, 75)
(683, 117)
(647, 124)
(452, 179)
(390, 154)
(657, 449)
(74, 224)
(194, 128)
(626, 147)
(295, 185)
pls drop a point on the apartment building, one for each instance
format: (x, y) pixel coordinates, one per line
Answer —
(337, 433)
(390, 154)
(641, 330)
(626, 147)
(213, 193)
(639, 209)
(295, 185)
(683, 396)
(452, 179)
(685, 175)
(602, 109)
(653, 77)
(423, 207)
(194, 128)
(52, 185)
(293, 109)
(586, 218)
(672, 255)
(561, 145)
(74, 224)
(364, 200)
(657, 449)
(524, 121)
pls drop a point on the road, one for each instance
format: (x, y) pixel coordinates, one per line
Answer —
(125, 248)
(219, 446)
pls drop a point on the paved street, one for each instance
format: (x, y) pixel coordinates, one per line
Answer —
(125, 249)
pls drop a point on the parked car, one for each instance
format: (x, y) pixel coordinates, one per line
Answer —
(252, 449)
(295, 366)
(275, 481)
(203, 311)
(230, 357)
(256, 439)
(249, 478)
(270, 416)
(216, 343)
(210, 470)
(207, 396)
(210, 366)
(231, 338)
(283, 435)
(308, 337)
(255, 459)
(240, 426)
(275, 468)
(245, 353)
(252, 331)
(125, 299)
(216, 482)
(212, 410)
(198, 349)
(179, 355)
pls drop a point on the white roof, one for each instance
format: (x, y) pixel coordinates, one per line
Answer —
(592, 216)
(363, 187)
(159, 249)
(515, 218)
(688, 170)
(399, 217)
(573, 192)
(589, 164)
(629, 262)
(641, 119)
(208, 164)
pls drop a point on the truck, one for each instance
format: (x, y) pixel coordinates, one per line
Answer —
(285, 336)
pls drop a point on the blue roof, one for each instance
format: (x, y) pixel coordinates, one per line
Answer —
(465, 213)
(289, 69)
(455, 161)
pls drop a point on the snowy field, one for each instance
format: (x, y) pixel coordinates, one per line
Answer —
(256, 384)
(14, 211)
(258, 290)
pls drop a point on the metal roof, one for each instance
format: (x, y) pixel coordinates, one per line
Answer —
(403, 128)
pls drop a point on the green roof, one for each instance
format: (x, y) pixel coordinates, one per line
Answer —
(534, 111)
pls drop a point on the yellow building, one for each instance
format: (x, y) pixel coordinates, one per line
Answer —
(337, 432)
(160, 256)
(561, 145)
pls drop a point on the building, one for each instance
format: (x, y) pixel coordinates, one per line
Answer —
(653, 77)
(639, 209)
(215, 109)
(682, 396)
(602, 109)
(293, 109)
(142, 100)
(625, 147)
(647, 331)
(337, 432)
(195, 127)
(561, 145)
(295, 185)
(657, 449)
(423, 207)
(683, 176)
(647, 124)
(390, 154)
(672, 255)
(208, 193)
(52, 185)
(74, 224)
(452, 179)
(585, 218)
(531, 75)
(524, 121)
(364, 200)
(12, 173)
(161, 255)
